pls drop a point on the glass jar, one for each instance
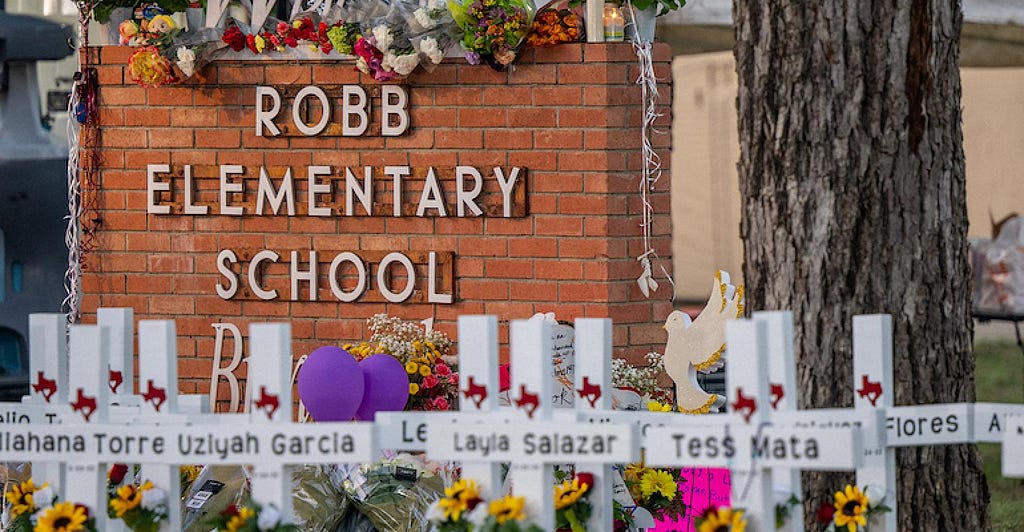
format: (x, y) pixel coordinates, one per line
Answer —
(614, 23)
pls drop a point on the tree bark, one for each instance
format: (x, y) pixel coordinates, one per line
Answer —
(854, 202)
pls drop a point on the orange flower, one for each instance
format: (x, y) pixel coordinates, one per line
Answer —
(148, 68)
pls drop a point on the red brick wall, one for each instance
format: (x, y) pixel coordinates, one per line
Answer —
(569, 114)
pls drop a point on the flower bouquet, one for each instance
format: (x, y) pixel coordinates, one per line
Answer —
(656, 490)
(251, 518)
(493, 29)
(394, 493)
(850, 510)
(572, 507)
(433, 378)
(141, 507)
(35, 509)
(721, 519)
(462, 509)
(556, 25)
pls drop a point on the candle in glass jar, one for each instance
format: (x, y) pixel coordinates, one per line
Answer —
(614, 23)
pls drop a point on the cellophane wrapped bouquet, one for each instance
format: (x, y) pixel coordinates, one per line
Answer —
(493, 30)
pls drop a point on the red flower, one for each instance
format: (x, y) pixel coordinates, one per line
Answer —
(291, 42)
(117, 473)
(230, 510)
(84, 509)
(825, 512)
(440, 403)
(586, 478)
(442, 370)
(430, 381)
(250, 41)
(234, 38)
(326, 47)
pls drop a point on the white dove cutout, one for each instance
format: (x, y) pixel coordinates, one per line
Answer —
(698, 345)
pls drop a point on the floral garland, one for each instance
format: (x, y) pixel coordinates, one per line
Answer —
(35, 509)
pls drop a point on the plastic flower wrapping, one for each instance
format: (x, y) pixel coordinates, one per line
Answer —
(493, 30)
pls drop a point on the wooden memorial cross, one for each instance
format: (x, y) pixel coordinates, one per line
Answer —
(745, 440)
(534, 438)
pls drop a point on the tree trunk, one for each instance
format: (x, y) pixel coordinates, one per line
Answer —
(852, 177)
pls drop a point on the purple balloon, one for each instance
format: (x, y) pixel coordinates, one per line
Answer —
(331, 384)
(387, 386)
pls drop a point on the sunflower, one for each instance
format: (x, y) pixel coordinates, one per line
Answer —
(569, 492)
(722, 520)
(240, 519)
(658, 481)
(62, 517)
(464, 490)
(850, 505)
(452, 507)
(507, 508)
(655, 406)
(21, 496)
(128, 498)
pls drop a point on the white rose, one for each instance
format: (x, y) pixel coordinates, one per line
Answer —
(388, 61)
(423, 18)
(186, 61)
(43, 497)
(155, 500)
(405, 64)
(430, 49)
(269, 518)
(382, 37)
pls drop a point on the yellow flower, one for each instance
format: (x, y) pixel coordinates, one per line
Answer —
(658, 481)
(148, 68)
(189, 473)
(62, 517)
(464, 490)
(238, 521)
(568, 493)
(452, 508)
(414, 388)
(424, 370)
(654, 406)
(723, 520)
(850, 507)
(128, 498)
(21, 497)
(296, 24)
(411, 367)
(507, 508)
(260, 43)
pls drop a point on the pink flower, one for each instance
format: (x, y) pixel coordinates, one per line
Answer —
(442, 369)
(454, 378)
(430, 381)
(440, 403)
(282, 28)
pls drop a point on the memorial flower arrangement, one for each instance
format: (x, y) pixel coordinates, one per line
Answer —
(642, 379)
(721, 519)
(463, 510)
(251, 517)
(554, 25)
(426, 355)
(656, 490)
(35, 509)
(572, 507)
(149, 68)
(850, 510)
(493, 30)
(141, 507)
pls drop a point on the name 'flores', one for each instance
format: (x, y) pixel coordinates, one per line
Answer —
(229, 286)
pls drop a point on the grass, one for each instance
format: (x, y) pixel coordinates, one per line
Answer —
(1000, 378)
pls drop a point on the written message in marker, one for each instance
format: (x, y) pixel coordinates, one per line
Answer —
(537, 442)
(320, 443)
